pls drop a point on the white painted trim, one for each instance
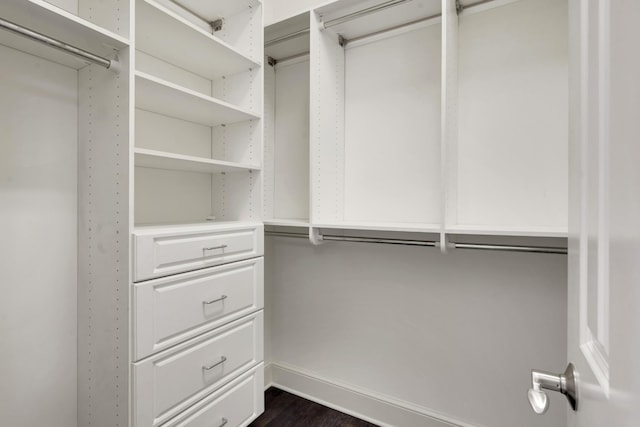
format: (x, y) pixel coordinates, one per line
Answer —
(367, 405)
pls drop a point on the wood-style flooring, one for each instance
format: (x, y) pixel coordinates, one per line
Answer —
(284, 409)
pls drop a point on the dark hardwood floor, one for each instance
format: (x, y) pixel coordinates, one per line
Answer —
(284, 409)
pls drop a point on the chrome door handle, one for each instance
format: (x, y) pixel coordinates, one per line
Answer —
(565, 383)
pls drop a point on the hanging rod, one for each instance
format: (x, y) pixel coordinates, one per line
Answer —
(216, 25)
(360, 13)
(427, 243)
(396, 27)
(56, 44)
(286, 37)
(386, 5)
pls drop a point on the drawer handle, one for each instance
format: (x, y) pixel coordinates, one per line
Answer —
(213, 248)
(222, 298)
(224, 422)
(210, 367)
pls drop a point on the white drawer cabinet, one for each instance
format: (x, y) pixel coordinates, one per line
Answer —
(162, 251)
(236, 404)
(173, 380)
(173, 309)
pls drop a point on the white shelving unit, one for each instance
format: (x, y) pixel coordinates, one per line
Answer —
(198, 112)
(375, 117)
(287, 123)
(168, 99)
(413, 129)
(74, 117)
(176, 141)
(164, 33)
(177, 162)
(507, 168)
(198, 211)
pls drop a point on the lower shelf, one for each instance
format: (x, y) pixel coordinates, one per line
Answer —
(483, 230)
(381, 226)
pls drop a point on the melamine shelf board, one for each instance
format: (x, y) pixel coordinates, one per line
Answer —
(382, 226)
(171, 161)
(164, 34)
(182, 227)
(162, 97)
(484, 230)
(217, 9)
(44, 18)
(287, 222)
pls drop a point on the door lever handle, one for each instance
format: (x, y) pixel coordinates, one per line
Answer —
(565, 383)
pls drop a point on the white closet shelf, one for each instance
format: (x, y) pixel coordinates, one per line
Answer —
(185, 228)
(44, 18)
(516, 231)
(162, 33)
(163, 97)
(382, 226)
(171, 161)
(217, 9)
(287, 222)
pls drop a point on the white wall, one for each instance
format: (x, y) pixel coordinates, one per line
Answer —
(38, 241)
(453, 334)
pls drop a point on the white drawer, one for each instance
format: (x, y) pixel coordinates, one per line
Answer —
(169, 382)
(173, 309)
(162, 251)
(234, 405)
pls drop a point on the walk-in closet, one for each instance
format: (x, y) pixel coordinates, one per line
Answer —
(269, 213)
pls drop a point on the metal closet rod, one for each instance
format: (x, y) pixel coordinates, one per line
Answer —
(286, 37)
(360, 13)
(56, 44)
(427, 243)
(387, 5)
(216, 25)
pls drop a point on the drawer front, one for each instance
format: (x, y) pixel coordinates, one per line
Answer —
(234, 405)
(173, 309)
(171, 381)
(163, 254)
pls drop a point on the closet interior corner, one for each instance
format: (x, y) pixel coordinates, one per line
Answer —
(148, 143)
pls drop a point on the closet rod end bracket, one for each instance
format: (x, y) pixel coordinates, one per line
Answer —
(216, 25)
(315, 236)
(444, 244)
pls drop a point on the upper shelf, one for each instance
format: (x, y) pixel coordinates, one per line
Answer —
(162, 97)
(162, 33)
(171, 161)
(44, 18)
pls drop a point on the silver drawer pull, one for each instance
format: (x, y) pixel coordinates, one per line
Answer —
(213, 248)
(224, 422)
(210, 367)
(222, 298)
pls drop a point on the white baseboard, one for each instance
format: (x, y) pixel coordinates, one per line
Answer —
(364, 404)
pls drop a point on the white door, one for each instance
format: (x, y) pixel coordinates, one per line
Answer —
(604, 243)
